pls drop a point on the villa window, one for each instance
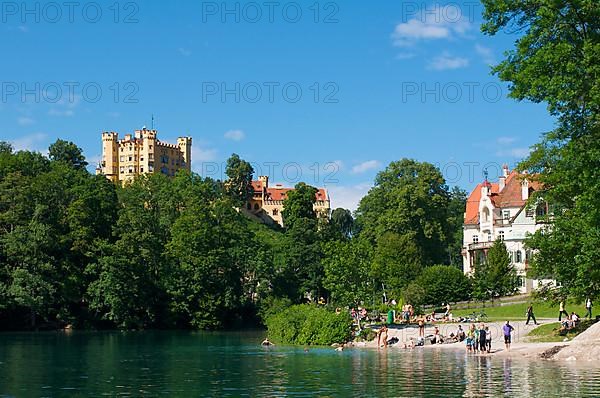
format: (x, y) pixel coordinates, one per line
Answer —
(501, 235)
(518, 256)
(506, 214)
(529, 212)
(485, 214)
(520, 281)
(275, 212)
(540, 211)
(475, 239)
(141, 169)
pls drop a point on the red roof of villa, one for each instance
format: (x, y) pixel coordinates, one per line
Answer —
(510, 196)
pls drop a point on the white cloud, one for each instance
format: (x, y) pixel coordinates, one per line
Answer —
(487, 55)
(447, 61)
(505, 140)
(62, 113)
(365, 166)
(33, 142)
(505, 148)
(403, 56)
(184, 51)
(200, 154)
(347, 197)
(235, 135)
(25, 121)
(439, 22)
(514, 152)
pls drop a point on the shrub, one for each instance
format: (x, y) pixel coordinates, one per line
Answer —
(309, 325)
(272, 305)
(367, 334)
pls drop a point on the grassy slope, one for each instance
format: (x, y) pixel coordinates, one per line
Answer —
(515, 312)
(549, 332)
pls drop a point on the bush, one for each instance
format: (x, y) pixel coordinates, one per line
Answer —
(309, 325)
(367, 334)
(272, 305)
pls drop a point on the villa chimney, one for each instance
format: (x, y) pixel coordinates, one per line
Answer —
(525, 190)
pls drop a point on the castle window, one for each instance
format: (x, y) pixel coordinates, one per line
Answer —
(275, 212)
(130, 158)
(141, 169)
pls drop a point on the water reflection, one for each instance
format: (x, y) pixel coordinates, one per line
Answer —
(233, 364)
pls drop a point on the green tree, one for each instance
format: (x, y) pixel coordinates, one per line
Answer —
(443, 284)
(397, 262)
(6, 147)
(495, 276)
(556, 60)
(409, 198)
(341, 223)
(239, 179)
(347, 266)
(456, 219)
(68, 152)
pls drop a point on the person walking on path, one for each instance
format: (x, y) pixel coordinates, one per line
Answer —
(561, 310)
(530, 315)
(588, 308)
(507, 329)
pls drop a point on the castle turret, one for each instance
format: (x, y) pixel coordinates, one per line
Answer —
(185, 145)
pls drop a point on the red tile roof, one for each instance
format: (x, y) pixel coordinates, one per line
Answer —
(280, 193)
(510, 196)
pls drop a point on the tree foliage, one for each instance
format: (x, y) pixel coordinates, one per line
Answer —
(494, 276)
(556, 60)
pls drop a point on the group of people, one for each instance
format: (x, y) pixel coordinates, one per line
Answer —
(408, 312)
(477, 339)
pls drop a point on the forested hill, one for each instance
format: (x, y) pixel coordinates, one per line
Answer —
(76, 249)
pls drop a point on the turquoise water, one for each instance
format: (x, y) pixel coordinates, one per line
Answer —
(233, 364)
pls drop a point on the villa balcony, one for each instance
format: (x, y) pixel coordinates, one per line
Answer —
(480, 245)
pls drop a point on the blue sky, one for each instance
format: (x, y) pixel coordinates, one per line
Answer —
(324, 92)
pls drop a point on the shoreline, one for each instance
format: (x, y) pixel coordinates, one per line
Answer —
(582, 348)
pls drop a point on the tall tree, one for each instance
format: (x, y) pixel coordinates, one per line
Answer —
(494, 275)
(68, 152)
(556, 60)
(239, 179)
(409, 198)
(456, 218)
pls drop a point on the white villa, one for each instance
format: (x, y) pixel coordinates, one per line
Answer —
(499, 211)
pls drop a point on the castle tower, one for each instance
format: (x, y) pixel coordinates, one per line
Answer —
(185, 145)
(109, 166)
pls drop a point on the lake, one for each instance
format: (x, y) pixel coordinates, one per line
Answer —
(233, 364)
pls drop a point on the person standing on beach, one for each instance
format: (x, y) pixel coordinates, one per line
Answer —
(588, 308)
(382, 337)
(561, 310)
(421, 327)
(530, 315)
(482, 338)
(507, 329)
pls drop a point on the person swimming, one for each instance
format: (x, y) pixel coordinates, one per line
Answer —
(266, 342)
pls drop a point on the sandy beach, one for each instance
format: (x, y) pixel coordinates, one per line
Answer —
(585, 347)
